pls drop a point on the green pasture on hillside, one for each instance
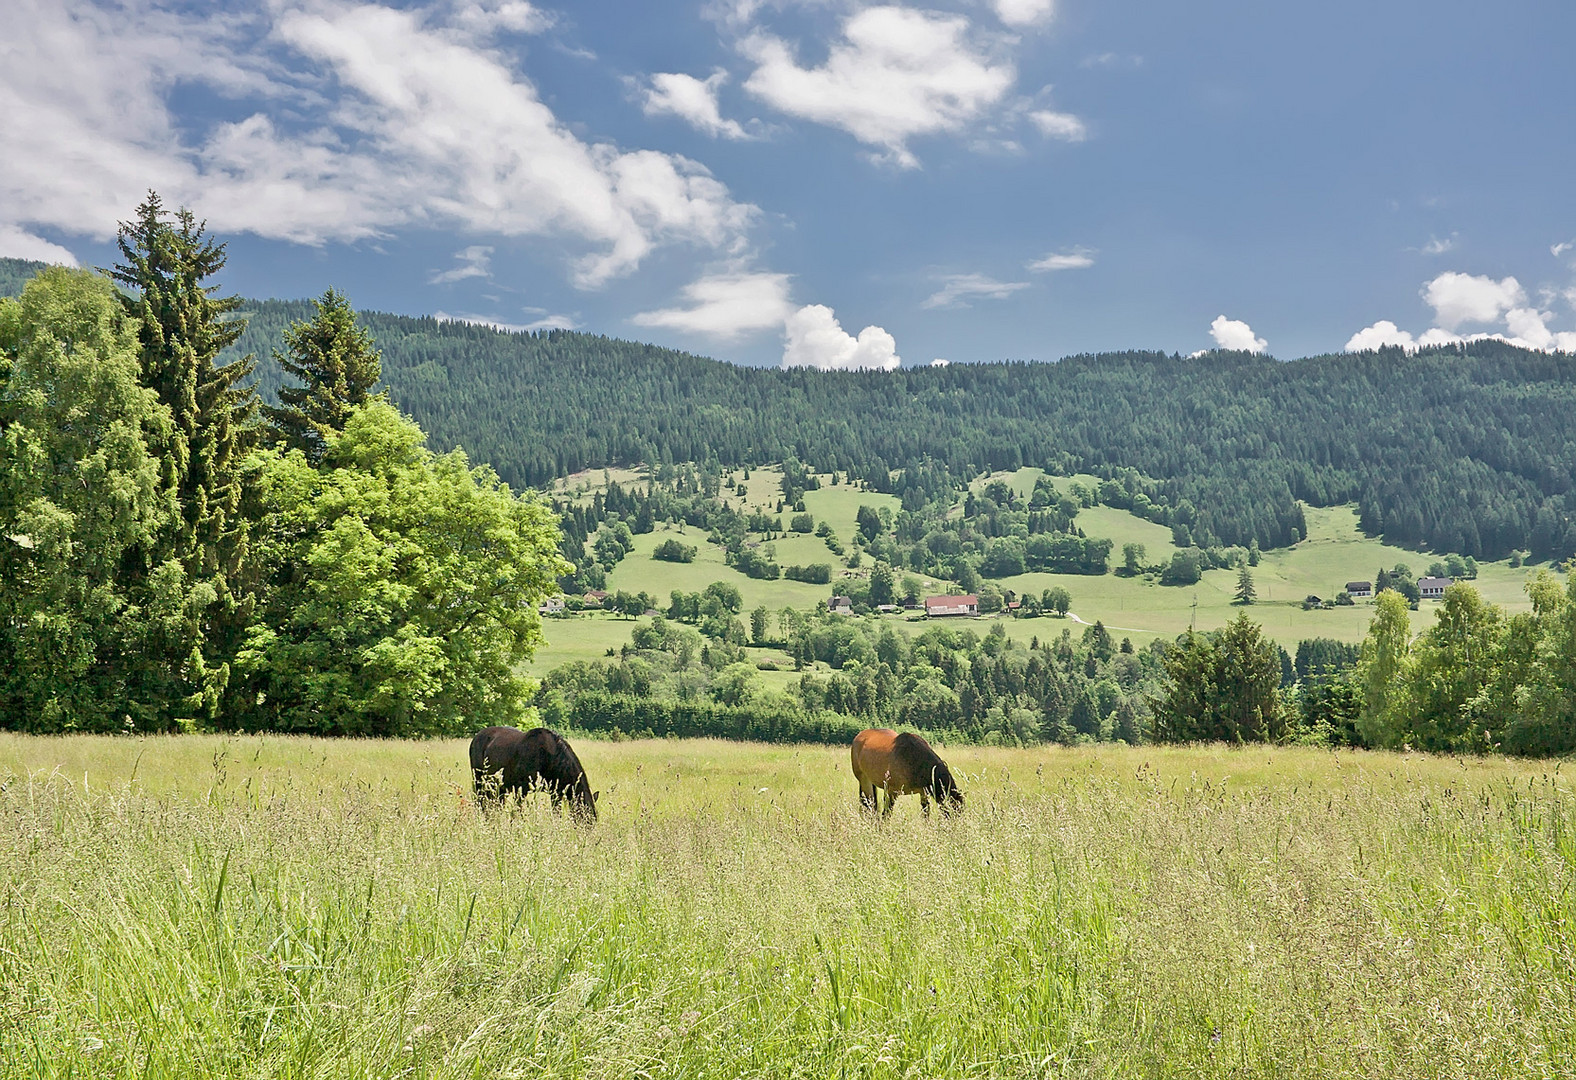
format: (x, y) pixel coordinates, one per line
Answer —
(763, 490)
(587, 482)
(278, 906)
(1334, 553)
(638, 571)
(839, 506)
(580, 636)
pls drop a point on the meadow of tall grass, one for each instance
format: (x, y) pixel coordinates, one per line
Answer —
(275, 907)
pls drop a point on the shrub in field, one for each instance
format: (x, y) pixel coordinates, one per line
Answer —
(753, 563)
(674, 551)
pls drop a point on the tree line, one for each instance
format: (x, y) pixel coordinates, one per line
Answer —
(1478, 680)
(176, 553)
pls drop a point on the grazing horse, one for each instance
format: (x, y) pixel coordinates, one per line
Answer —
(902, 764)
(508, 761)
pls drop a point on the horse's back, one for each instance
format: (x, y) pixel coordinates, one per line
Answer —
(485, 743)
(914, 750)
(501, 747)
(872, 754)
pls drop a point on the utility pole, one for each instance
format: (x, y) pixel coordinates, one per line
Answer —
(1192, 625)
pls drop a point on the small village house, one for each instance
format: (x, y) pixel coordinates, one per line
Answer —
(1433, 588)
(939, 607)
(1359, 590)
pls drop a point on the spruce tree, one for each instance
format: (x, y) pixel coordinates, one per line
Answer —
(337, 366)
(200, 561)
(1246, 593)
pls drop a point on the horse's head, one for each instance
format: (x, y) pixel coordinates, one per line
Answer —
(951, 803)
(944, 789)
(583, 802)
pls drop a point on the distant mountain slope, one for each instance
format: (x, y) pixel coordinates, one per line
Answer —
(14, 274)
(1466, 449)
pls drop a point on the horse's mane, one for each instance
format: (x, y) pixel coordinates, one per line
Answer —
(564, 758)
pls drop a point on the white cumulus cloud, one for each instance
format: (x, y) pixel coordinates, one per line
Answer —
(1463, 298)
(726, 306)
(895, 74)
(1079, 258)
(1235, 335)
(475, 261)
(693, 101)
(487, 17)
(958, 289)
(1381, 334)
(1459, 299)
(815, 339)
(1059, 125)
(17, 244)
(1529, 328)
(1024, 12)
(363, 118)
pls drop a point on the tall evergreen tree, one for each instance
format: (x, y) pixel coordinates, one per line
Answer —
(1223, 686)
(184, 324)
(337, 365)
(1246, 593)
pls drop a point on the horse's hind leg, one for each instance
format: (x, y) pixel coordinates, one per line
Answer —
(924, 803)
(487, 788)
(868, 801)
(886, 811)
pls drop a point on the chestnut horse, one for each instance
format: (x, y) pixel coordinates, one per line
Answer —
(901, 765)
(507, 761)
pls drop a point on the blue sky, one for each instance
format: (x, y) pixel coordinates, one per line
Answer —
(833, 184)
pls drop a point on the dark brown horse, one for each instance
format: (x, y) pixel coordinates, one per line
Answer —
(507, 761)
(901, 765)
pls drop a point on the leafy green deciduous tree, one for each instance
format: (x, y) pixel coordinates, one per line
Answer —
(881, 584)
(1381, 672)
(81, 502)
(404, 588)
(1133, 559)
(868, 522)
(1445, 707)
(1539, 655)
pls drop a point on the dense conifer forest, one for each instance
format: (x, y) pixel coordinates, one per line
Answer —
(1455, 449)
(1461, 449)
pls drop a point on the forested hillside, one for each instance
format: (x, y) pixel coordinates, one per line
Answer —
(14, 274)
(1460, 449)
